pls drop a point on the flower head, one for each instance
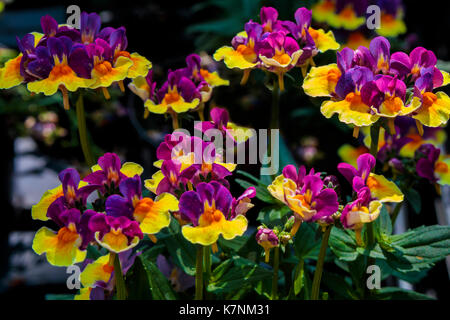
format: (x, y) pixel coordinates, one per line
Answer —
(267, 239)
(209, 210)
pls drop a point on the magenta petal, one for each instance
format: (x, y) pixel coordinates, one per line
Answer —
(347, 170)
(191, 206)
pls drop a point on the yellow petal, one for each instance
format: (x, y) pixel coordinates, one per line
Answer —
(39, 210)
(152, 184)
(356, 219)
(10, 73)
(156, 214)
(437, 114)
(118, 72)
(276, 188)
(209, 234)
(130, 169)
(99, 270)
(357, 114)
(324, 41)
(140, 66)
(60, 251)
(383, 189)
(139, 87)
(234, 59)
(116, 243)
(84, 294)
(321, 81)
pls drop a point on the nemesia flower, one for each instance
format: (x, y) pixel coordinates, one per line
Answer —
(116, 234)
(321, 81)
(97, 276)
(178, 94)
(108, 173)
(68, 245)
(381, 189)
(391, 23)
(208, 209)
(357, 39)
(152, 215)
(220, 121)
(349, 14)
(350, 107)
(243, 53)
(305, 195)
(433, 109)
(267, 239)
(430, 165)
(363, 210)
(279, 53)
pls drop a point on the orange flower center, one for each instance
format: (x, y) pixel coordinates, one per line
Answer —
(122, 54)
(142, 208)
(362, 208)
(60, 70)
(282, 57)
(245, 50)
(210, 216)
(305, 199)
(372, 183)
(206, 167)
(441, 167)
(347, 12)
(394, 104)
(204, 73)
(172, 97)
(103, 67)
(387, 18)
(107, 268)
(333, 75)
(428, 99)
(67, 235)
(113, 175)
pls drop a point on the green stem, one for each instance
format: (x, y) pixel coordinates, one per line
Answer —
(276, 264)
(395, 213)
(319, 267)
(207, 257)
(121, 289)
(274, 120)
(82, 131)
(199, 274)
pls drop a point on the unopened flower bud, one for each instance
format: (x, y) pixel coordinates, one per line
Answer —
(267, 239)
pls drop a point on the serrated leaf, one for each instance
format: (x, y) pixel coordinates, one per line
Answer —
(233, 273)
(343, 244)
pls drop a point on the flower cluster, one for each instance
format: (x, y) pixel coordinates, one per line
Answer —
(185, 89)
(276, 46)
(116, 220)
(66, 59)
(194, 171)
(351, 15)
(368, 84)
(315, 199)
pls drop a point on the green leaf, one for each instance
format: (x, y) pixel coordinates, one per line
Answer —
(306, 245)
(159, 285)
(261, 188)
(182, 252)
(343, 244)
(137, 282)
(338, 284)
(394, 293)
(383, 224)
(299, 277)
(273, 215)
(233, 273)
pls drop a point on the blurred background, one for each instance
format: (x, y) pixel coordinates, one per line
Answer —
(39, 138)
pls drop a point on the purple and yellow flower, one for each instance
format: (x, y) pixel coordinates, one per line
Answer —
(433, 108)
(391, 20)
(97, 276)
(305, 195)
(178, 94)
(279, 53)
(432, 165)
(109, 172)
(267, 239)
(116, 234)
(349, 104)
(349, 14)
(220, 120)
(209, 209)
(243, 53)
(68, 245)
(152, 215)
(359, 212)
(381, 189)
